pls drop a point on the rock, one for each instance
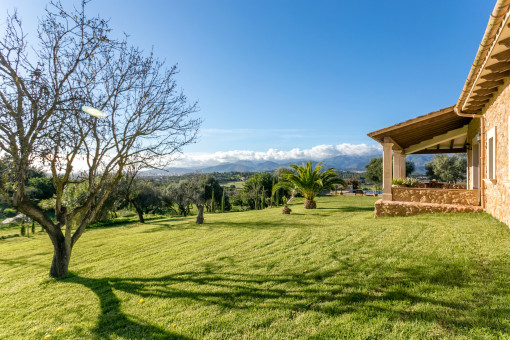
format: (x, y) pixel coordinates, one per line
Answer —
(18, 218)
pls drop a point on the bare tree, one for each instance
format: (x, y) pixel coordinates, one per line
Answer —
(42, 86)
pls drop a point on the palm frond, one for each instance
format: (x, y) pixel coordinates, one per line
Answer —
(308, 180)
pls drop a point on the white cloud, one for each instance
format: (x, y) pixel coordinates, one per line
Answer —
(316, 153)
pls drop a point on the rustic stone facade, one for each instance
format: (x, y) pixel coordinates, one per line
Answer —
(438, 196)
(497, 193)
(439, 185)
(399, 208)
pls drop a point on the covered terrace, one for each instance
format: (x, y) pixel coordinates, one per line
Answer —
(438, 132)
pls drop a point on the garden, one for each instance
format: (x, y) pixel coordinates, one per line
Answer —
(333, 271)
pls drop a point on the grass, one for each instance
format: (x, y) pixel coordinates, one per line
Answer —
(238, 184)
(334, 272)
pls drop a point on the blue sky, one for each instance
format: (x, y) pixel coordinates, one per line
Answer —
(293, 75)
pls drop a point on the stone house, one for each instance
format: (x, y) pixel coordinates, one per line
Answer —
(477, 125)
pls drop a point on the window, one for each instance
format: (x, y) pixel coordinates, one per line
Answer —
(491, 154)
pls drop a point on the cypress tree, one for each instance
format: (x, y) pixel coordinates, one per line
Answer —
(263, 199)
(223, 201)
(212, 200)
(272, 196)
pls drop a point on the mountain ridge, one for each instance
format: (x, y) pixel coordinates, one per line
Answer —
(343, 162)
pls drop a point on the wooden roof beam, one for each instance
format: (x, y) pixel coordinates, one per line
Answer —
(496, 76)
(479, 97)
(505, 42)
(485, 91)
(472, 109)
(430, 117)
(491, 83)
(475, 102)
(502, 56)
(395, 146)
(434, 151)
(501, 66)
(437, 140)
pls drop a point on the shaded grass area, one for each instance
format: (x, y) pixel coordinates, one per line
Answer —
(334, 272)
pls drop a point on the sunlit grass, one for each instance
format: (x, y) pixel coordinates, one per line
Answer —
(333, 272)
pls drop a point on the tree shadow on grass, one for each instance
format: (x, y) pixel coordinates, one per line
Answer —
(126, 222)
(112, 322)
(331, 292)
(354, 209)
(159, 226)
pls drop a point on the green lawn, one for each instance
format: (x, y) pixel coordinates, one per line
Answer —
(334, 272)
(239, 184)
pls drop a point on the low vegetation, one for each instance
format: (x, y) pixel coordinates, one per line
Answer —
(331, 272)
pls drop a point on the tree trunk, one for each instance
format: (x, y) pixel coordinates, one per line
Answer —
(310, 204)
(61, 258)
(139, 211)
(200, 217)
(140, 215)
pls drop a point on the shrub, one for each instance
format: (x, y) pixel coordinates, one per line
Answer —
(397, 181)
(354, 182)
(33, 193)
(9, 212)
(237, 208)
(410, 182)
(47, 204)
(405, 182)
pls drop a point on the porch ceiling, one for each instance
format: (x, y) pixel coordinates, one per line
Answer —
(437, 132)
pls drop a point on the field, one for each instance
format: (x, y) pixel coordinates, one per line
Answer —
(238, 184)
(333, 272)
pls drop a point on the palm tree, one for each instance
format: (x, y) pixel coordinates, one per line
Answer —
(308, 181)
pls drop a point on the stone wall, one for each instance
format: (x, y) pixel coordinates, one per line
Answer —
(440, 185)
(497, 194)
(438, 196)
(394, 208)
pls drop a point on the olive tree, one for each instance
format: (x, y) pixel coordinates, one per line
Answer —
(374, 172)
(75, 61)
(141, 194)
(182, 194)
(447, 168)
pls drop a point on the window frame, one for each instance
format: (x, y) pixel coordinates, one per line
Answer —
(491, 156)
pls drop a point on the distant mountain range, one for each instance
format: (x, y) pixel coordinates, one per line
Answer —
(346, 162)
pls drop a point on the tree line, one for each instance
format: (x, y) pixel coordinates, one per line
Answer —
(445, 168)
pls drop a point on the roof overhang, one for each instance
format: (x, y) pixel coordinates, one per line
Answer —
(441, 131)
(491, 65)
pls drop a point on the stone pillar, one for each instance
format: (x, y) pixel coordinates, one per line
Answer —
(397, 154)
(403, 165)
(387, 171)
